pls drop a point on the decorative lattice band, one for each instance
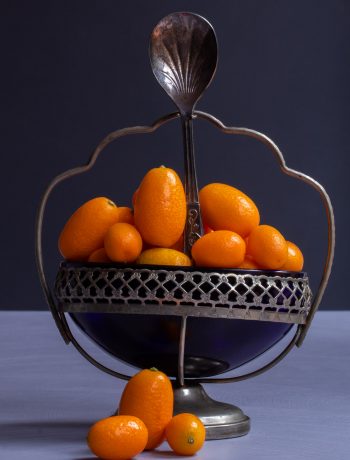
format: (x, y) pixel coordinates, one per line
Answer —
(240, 294)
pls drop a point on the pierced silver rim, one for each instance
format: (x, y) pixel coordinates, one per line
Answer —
(232, 294)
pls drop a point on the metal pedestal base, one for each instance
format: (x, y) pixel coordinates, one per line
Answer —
(221, 420)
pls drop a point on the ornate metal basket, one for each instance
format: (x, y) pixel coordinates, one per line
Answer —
(180, 315)
(237, 294)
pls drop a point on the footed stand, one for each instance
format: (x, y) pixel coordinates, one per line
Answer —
(221, 420)
(96, 295)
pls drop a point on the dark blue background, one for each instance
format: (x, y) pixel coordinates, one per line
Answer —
(72, 71)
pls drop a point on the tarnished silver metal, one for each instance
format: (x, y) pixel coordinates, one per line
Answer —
(232, 294)
(308, 180)
(58, 316)
(221, 420)
(58, 312)
(181, 353)
(183, 55)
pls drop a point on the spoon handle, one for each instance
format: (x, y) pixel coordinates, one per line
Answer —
(194, 226)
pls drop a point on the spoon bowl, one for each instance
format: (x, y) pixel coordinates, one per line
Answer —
(183, 54)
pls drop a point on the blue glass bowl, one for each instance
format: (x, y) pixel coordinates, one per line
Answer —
(213, 345)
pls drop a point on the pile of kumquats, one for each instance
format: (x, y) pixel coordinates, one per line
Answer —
(151, 232)
(144, 420)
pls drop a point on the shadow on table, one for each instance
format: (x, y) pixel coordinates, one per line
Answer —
(44, 432)
(165, 453)
(162, 453)
(85, 458)
(53, 433)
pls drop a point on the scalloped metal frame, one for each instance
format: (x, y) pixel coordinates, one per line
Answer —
(258, 295)
(301, 330)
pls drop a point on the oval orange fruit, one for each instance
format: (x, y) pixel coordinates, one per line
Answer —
(185, 434)
(134, 195)
(221, 248)
(267, 246)
(295, 258)
(149, 396)
(99, 256)
(160, 207)
(126, 215)
(249, 264)
(123, 243)
(118, 437)
(179, 245)
(164, 256)
(86, 228)
(207, 229)
(226, 208)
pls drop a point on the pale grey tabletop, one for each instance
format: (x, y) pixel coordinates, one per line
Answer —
(49, 396)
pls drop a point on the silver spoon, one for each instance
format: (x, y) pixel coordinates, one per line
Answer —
(183, 54)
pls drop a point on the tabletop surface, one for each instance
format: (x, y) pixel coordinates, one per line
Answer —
(50, 396)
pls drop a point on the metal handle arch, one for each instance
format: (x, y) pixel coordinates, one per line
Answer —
(304, 178)
(60, 319)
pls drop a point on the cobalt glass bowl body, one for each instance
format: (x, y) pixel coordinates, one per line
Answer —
(234, 315)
